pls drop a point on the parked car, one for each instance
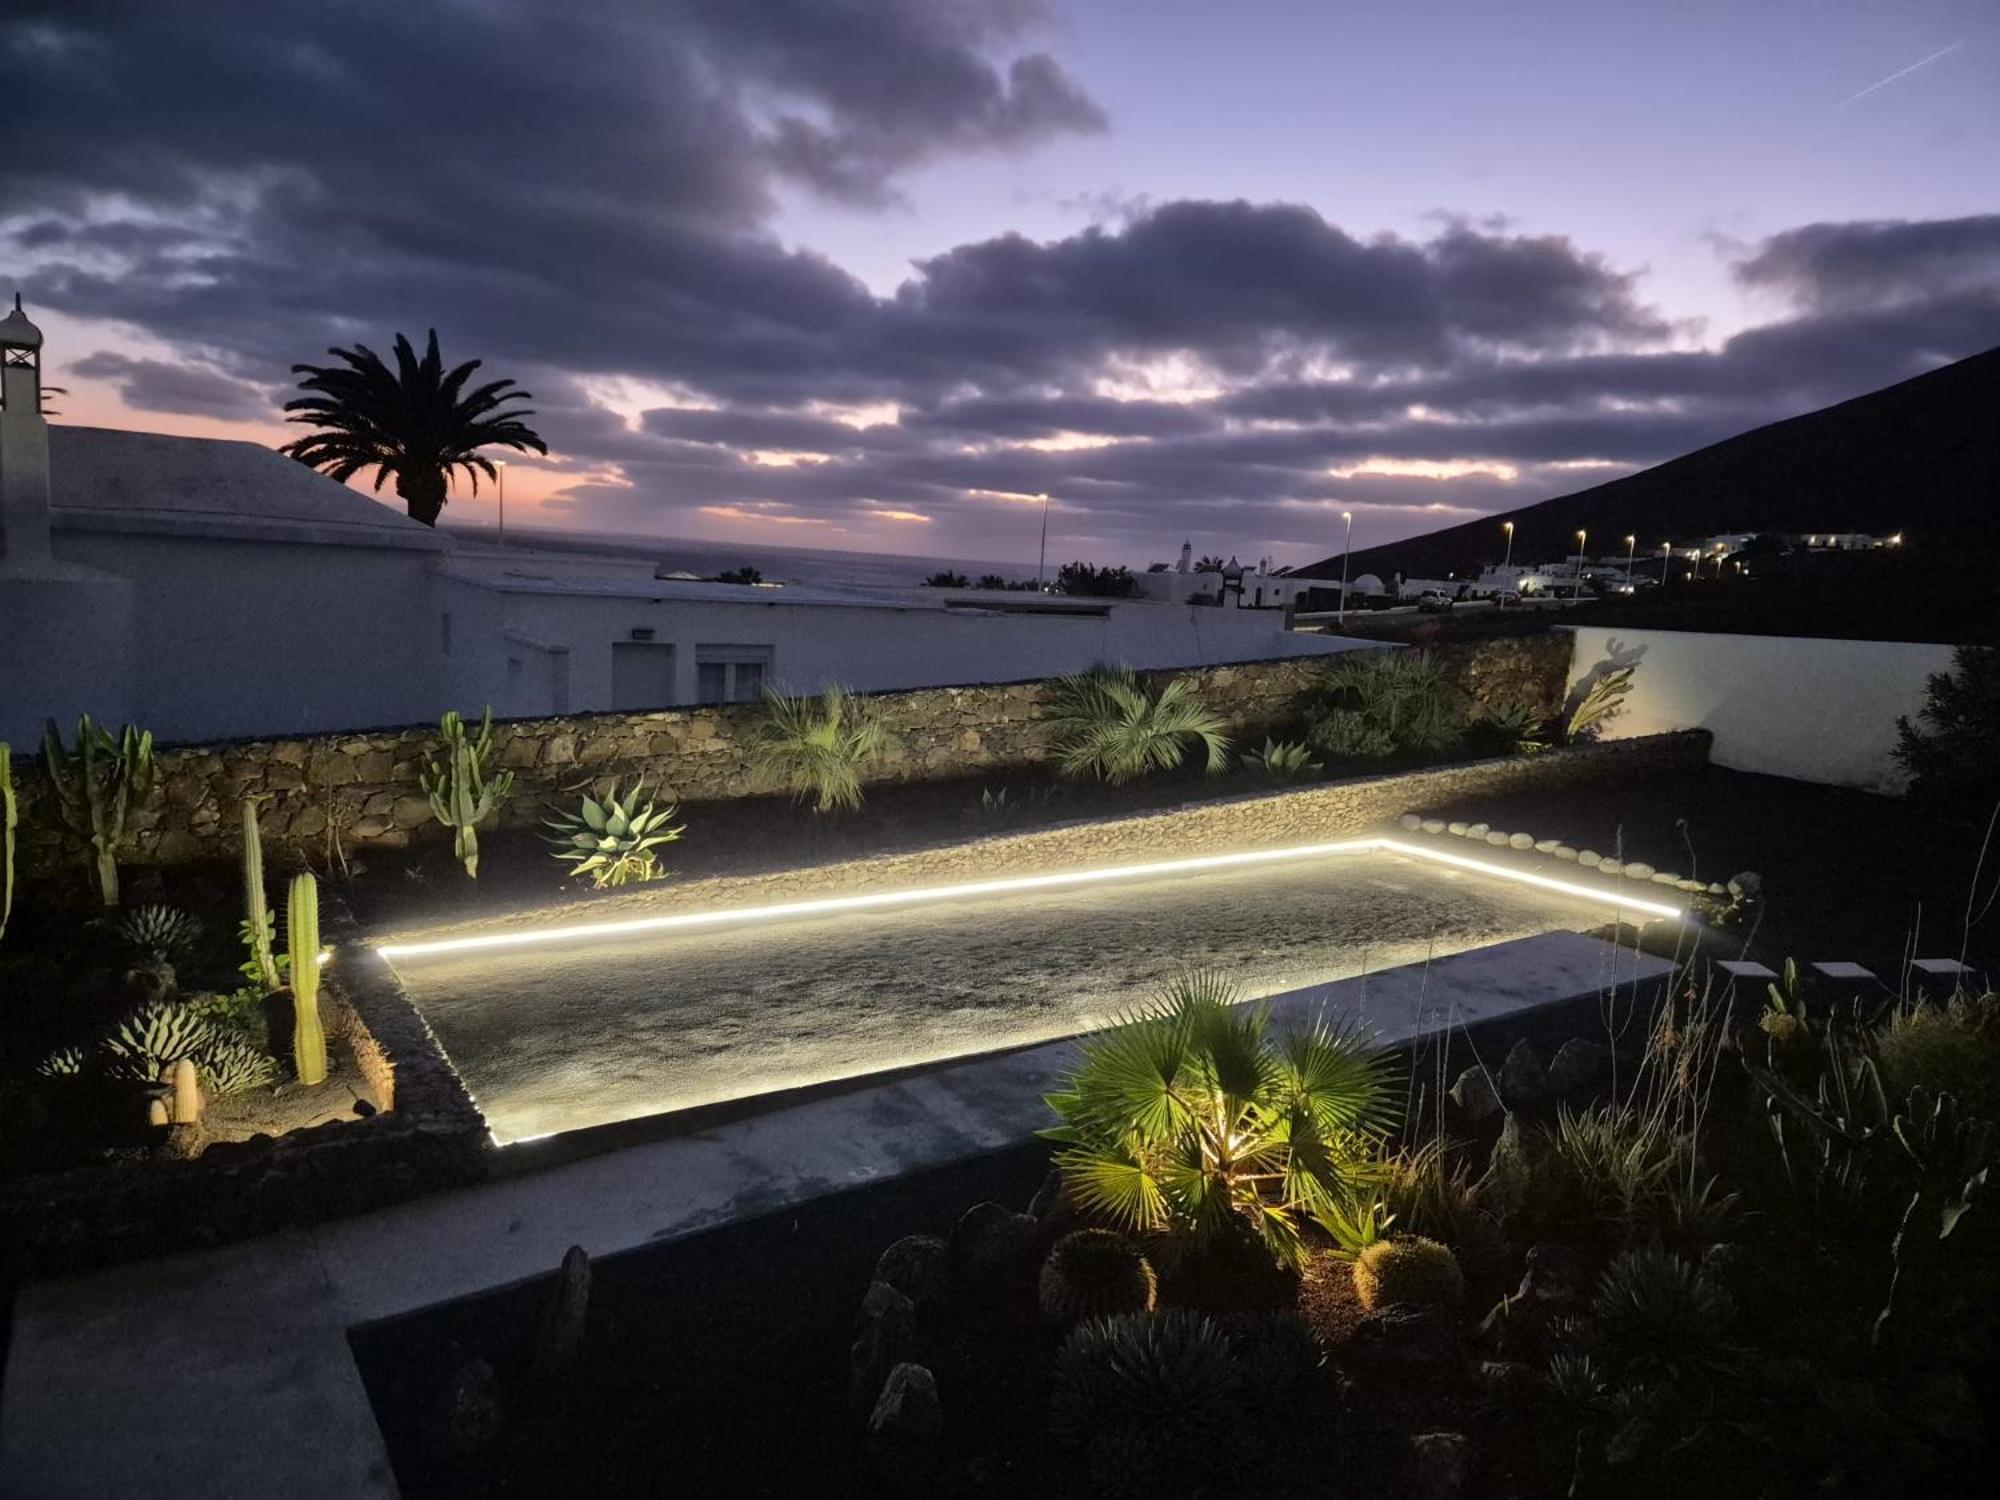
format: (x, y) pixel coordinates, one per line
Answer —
(1434, 601)
(1506, 599)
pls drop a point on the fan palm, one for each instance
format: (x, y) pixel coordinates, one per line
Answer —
(816, 747)
(1190, 1119)
(1105, 723)
(1381, 703)
(416, 423)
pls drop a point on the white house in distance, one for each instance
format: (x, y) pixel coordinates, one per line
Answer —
(210, 589)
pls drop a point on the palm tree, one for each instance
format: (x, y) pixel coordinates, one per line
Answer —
(1105, 723)
(417, 422)
(816, 747)
(1189, 1120)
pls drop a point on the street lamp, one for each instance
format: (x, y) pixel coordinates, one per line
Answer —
(1576, 593)
(1346, 547)
(1666, 561)
(500, 478)
(1508, 527)
(1631, 554)
(1042, 556)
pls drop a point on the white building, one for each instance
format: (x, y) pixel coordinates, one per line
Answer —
(210, 590)
(1237, 587)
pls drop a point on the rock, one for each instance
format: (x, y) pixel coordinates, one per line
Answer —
(1692, 887)
(1552, 1286)
(1498, 839)
(1664, 877)
(905, 1430)
(1506, 1384)
(184, 1141)
(466, 1415)
(989, 1241)
(561, 1333)
(914, 1266)
(1455, 828)
(1589, 859)
(888, 1335)
(1410, 821)
(1513, 1171)
(1523, 1080)
(1730, 1267)
(1440, 1465)
(1475, 1095)
(881, 1301)
(1547, 846)
(1576, 1067)
(1611, 867)
(1638, 869)
(1404, 1337)
(1746, 885)
(1433, 825)
(1717, 888)
(1565, 852)
(410, 812)
(1520, 841)
(1478, 830)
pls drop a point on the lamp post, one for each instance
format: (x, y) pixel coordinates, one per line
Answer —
(1666, 561)
(500, 472)
(1346, 547)
(1631, 556)
(1042, 556)
(1576, 593)
(1508, 527)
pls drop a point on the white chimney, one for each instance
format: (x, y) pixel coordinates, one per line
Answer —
(24, 442)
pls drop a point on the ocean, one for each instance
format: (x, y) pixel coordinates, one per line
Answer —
(800, 565)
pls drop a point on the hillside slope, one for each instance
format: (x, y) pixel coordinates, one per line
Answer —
(1921, 457)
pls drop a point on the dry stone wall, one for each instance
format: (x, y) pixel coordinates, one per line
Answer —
(363, 787)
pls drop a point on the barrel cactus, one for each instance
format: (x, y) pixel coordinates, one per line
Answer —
(155, 1037)
(302, 944)
(1095, 1273)
(1410, 1270)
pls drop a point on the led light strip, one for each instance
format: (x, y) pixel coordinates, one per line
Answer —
(882, 900)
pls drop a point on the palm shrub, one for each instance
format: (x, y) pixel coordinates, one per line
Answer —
(1095, 1273)
(1105, 723)
(1283, 761)
(98, 787)
(816, 748)
(462, 792)
(415, 424)
(1604, 698)
(615, 841)
(1410, 1270)
(1190, 1120)
(1948, 750)
(1376, 704)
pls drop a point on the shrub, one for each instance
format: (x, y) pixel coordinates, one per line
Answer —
(1616, 1160)
(1189, 1119)
(816, 748)
(1167, 1385)
(1410, 1270)
(613, 841)
(1105, 723)
(1948, 751)
(1375, 704)
(155, 1036)
(1090, 581)
(1658, 1313)
(1952, 1048)
(1513, 729)
(947, 580)
(1095, 1273)
(240, 1012)
(1283, 761)
(164, 931)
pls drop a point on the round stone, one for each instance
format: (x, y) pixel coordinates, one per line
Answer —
(1611, 867)
(1717, 888)
(1692, 887)
(1497, 839)
(1565, 852)
(1455, 828)
(1551, 846)
(1665, 877)
(1521, 841)
(1638, 869)
(1433, 825)
(1589, 859)
(1410, 821)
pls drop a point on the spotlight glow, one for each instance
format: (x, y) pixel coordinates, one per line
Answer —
(883, 900)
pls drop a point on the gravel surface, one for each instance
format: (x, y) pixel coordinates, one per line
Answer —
(561, 1038)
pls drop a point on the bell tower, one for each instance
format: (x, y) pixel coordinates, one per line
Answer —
(24, 442)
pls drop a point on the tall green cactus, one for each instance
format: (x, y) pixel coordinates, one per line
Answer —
(257, 925)
(97, 789)
(302, 942)
(455, 780)
(10, 815)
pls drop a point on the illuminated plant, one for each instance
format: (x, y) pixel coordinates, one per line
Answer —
(98, 787)
(258, 928)
(1409, 1270)
(164, 931)
(64, 1062)
(155, 1036)
(1374, 704)
(1189, 1119)
(1105, 723)
(1095, 1273)
(1605, 698)
(10, 817)
(462, 794)
(613, 841)
(1282, 761)
(302, 940)
(816, 748)
(230, 1065)
(1516, 727)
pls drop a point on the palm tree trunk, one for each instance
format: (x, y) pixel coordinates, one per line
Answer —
(424, 494)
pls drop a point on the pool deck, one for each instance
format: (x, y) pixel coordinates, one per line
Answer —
(226, 1374)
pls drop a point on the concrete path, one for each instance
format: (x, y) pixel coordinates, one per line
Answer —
(226, 1375)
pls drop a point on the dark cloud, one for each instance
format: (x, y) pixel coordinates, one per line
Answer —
(163, 385)
(583, 193)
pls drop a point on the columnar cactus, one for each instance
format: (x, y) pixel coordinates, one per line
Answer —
(186, 1108)
(456, 783)
(257, 924)
(10, 816)
(302, 942)
(98, 788)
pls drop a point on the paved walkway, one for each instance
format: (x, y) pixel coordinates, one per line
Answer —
(226, 1375)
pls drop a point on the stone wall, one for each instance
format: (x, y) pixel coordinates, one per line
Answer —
(364, 786)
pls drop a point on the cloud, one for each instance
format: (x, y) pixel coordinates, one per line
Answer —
(1873, 263)
(162, 385)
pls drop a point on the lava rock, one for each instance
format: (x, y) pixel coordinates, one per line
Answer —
(914, 1266)
(1407, 1338)
(906, 1430)
(989, 1241)
(1523, 1080)
(1577, 1066)
(1475, 1095)
(888, 1336)
(561, 1333)
(1746, 886)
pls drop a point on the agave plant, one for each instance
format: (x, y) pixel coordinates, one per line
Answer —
(816, 748)
(164, 931)
(1191, 1119)
(64, 1062)
(230, 1065)
(1282, 761)
(1517, 727)
(1107, 724)
(155, 1036)
(614, 841)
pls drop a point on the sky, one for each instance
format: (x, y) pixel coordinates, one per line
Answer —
(878, 274)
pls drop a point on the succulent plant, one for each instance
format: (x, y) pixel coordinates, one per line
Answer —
(1169, 1382)
(302, 943)
(457, 783)
(230, 1065)
(1408, 1269)
(64, 1062)
(1283, 760)
(1095, 1273)
(613, 841)
(164, 931)
(1657, 1311)
(155, 1036)
(97, 788)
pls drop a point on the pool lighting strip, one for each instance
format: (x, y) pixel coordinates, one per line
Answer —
(884, 900)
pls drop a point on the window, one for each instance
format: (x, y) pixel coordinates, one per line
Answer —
(730, 674)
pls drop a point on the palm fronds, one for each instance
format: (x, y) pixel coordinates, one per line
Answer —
(1372, 704)
(1105, 723)
(1604, 699)
(816, 748)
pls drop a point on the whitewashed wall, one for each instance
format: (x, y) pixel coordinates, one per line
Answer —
(1811, 709)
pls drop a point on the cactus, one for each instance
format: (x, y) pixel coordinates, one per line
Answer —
(98, 788)
(186, 1106)
(10, 817)
(1407, 1269)
(302, 943)
(1095, 1273)
(560, 1335)
(261, 968)
(456, 783)
(154, 1037)
(157, 1114)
